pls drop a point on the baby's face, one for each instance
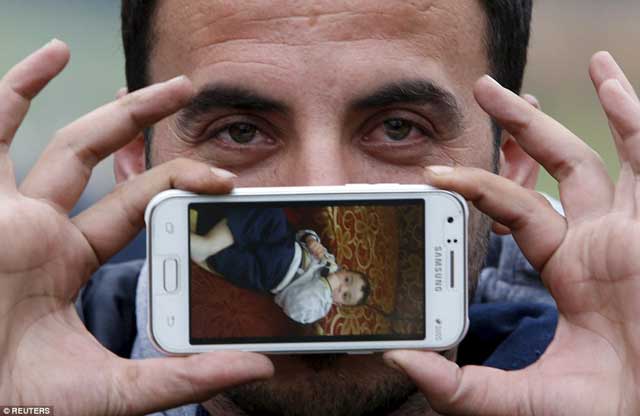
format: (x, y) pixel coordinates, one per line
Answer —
(346, 287)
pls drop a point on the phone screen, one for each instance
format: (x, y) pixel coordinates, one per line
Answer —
(306, 271)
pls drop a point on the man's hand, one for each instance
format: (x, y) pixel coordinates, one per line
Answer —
(590, 261)
(47, 355)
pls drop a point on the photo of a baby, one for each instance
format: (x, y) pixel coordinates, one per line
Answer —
(257, 249)
(312, 271)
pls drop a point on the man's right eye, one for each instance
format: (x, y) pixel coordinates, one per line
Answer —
(241, 133)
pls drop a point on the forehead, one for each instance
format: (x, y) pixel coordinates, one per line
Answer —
(300, 40)
(304, 23)
(357, 284)
(356, 276)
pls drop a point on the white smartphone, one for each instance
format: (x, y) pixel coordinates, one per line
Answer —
(356, 268)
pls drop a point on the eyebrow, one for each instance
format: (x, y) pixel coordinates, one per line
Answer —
(418, 91)
(225, 96)
(229, 96)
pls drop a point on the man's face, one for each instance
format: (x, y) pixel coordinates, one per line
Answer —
(347, 288)
(325, 93)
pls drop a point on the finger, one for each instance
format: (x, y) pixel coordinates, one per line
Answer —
(602, 68)
(500, 229)
(535, 225)
(585, 186)
(470, 390)
(17, 88)
(121, 93)
(115, 220)
(623, 111)
(63, 171)
(533, 101)
(627, 198)
(145, 386)
(24, 81)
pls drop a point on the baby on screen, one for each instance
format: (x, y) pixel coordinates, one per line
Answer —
(257, 249)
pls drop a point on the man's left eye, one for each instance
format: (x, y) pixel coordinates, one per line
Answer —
(397, 129)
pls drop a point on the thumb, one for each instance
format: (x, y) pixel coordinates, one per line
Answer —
(470, 390)
(145, 386)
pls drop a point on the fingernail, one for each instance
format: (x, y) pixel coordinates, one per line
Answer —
(122, 92)
(617, 84)
(223, 173)
(51, 42)
(177, 80)
(608, 55)
(440, 170)
(390, 362)
(613, 84)
(491, 80)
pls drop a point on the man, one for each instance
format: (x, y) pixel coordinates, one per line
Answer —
(369, 91)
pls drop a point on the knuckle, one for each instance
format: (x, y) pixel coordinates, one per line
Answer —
(127, 382)
(540, 199)
(59, 135)
(596, 160)
(124, 204)
(8, 90)
(589, 161)
(563, 167)
(129, 100)
(65, 147)
(130, 105)
(121, 188)
(521, 124)
(181, 165)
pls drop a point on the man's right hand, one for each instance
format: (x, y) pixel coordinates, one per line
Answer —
(48, 356)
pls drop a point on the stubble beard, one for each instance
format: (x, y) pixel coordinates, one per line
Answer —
(337, 385)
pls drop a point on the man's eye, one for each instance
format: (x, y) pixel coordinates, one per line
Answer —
(241, 132)
(397, 129)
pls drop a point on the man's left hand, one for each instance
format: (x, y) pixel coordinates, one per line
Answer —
(589, 261)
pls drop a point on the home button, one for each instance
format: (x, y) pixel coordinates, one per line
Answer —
(170, 275)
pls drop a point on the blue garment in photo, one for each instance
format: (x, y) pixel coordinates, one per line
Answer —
(263, 249)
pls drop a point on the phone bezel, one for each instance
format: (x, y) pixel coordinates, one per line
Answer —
(177, 340)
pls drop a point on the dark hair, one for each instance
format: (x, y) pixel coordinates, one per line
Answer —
(507, 43)
(137, 39)
(366, 288)
(506, 39)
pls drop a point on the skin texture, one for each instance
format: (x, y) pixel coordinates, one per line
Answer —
(291, 52)
(588, 260)
(52, 256)
(346, 287)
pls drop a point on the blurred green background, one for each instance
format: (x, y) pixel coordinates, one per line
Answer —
(565, 34)
(94, 74)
